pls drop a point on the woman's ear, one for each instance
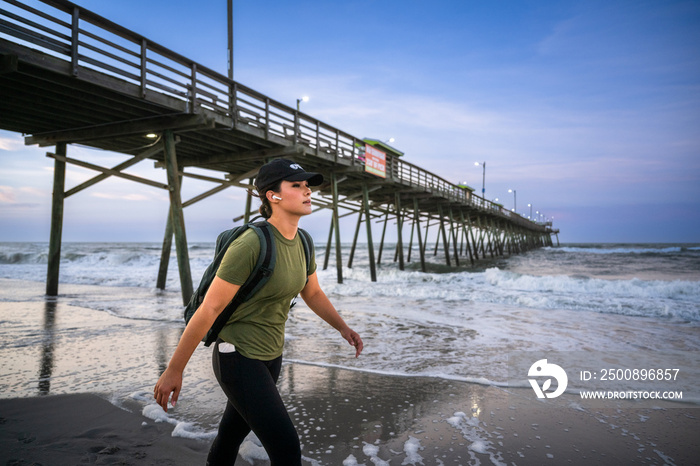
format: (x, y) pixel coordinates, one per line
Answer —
(272, 197)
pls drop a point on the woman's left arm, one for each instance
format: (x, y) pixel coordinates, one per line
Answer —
(316, 299)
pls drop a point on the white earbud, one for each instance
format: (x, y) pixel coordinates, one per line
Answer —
(275, 197)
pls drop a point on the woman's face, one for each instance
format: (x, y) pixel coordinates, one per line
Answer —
(295, 197)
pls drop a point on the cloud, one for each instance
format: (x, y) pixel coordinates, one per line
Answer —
(14, 202)
(11, 144)
(349, 101)
(33, 191)
(16, 195)
(21, 207)
(7, 195)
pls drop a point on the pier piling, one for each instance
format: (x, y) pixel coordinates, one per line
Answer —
(54, 259)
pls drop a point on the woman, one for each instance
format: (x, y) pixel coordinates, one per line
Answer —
(247, 357)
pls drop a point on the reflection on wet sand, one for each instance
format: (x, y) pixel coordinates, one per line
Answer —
(47, 346)
(337, 411)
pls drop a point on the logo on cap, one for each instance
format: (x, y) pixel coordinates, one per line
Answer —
(295, 166)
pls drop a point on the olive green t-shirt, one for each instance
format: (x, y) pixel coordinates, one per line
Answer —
(256, 328)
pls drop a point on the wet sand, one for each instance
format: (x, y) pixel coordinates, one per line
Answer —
(86, 429)
(74, 383)
(461, 423)
(361, 419)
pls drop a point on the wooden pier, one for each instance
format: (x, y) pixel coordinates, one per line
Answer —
(69, 76)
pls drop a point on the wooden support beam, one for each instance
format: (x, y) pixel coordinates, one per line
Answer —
(157, 124)
(437, 238)
(243, 217)
(482, 244)
(516, 245)
(465, 234)
(474, 243)
(258, 154)
(410, 240)
(250, 174)
(460, 233)
(497, 238)
(454, 236)
(205, 194)
(381, 243)
(354, 239)
(328, 204)
(108, 171)
(425, 240)
(167, 247)
(370, 244)
(165, 252)
(445, 243)
(178, 219)
(54, 259)
(421, 246)
(399, 231)
(489, 233)
(328, 243)
(360, 193)
(511, 245)
(248, 204)
(502, 238)
(336, 226)
(151, 151)
(352, 212)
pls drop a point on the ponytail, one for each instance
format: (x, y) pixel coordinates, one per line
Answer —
(265, 206)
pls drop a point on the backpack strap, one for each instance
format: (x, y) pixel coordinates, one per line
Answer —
(223, 241)
(308, 244)
(258, 277)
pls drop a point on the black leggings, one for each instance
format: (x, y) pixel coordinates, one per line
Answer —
(254, 403)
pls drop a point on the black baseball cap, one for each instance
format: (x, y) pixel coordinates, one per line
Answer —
(287, 170)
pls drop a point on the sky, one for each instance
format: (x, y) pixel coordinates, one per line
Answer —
(589, 110)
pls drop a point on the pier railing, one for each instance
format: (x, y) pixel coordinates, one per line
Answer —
(87, 40)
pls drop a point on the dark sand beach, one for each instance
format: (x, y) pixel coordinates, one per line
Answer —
(86, 429)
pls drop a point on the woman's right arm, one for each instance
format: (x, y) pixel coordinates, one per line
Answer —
(218, 296)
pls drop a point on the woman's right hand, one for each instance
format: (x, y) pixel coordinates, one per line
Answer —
(169, 382)
(219, 295)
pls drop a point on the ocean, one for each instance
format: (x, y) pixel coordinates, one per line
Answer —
(451, 323)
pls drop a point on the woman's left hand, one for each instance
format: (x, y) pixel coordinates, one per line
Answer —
(354, 339)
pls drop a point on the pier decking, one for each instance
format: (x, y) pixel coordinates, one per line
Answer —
(70, 76)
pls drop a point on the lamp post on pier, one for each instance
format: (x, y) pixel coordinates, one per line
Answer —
(302, 99)
(515, 200)
(229, 16)
(530, 206)
(483, 178)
